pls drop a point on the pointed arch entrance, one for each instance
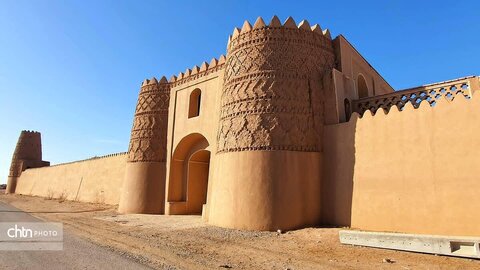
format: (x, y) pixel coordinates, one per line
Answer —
(189, 170)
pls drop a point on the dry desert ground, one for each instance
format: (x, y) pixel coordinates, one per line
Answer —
(185, 242)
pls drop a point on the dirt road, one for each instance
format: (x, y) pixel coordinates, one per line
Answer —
(78, 253)
(185, 242)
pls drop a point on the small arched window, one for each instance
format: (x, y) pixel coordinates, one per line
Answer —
(362, 88)
(194, 105)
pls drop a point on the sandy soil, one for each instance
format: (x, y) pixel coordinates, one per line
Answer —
(185, 242)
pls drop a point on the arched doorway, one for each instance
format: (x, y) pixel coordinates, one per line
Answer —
(188, 180)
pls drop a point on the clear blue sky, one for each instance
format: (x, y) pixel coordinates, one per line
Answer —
(72, 69)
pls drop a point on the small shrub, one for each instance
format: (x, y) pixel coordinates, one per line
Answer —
(50, 194)
(63, 196)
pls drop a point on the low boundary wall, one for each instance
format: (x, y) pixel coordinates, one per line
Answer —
(97, 180)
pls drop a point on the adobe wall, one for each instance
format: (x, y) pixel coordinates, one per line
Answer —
(189, 134)
(414, 171)
(97, 180)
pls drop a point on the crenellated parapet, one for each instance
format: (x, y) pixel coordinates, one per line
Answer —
(431, 93)
(272, 94)
(149, 131)
(196, 72)
(28, 154)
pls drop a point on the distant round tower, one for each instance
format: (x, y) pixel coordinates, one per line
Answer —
(268, 160)
(28, 154)
(144, 184)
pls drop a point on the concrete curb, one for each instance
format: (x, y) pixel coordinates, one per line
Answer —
(458, 246)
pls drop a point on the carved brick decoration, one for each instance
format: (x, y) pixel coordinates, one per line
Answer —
(272, 95)
(28, 153)
(148, 140)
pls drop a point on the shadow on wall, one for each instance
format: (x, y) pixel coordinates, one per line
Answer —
(338, 172)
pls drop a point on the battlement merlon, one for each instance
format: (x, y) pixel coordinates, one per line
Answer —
(190, 74)
(275, 23)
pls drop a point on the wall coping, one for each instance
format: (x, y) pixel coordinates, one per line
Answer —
(84, 160)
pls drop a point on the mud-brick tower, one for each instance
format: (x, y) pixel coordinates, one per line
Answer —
(28, 154)
(269, 150)
(144, 185)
